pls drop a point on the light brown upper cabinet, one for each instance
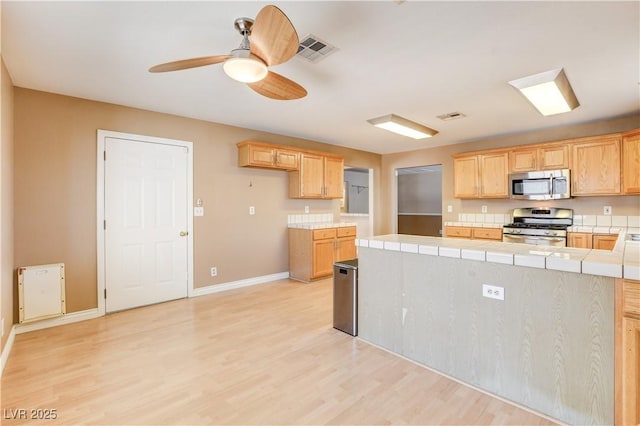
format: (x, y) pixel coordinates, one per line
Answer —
(465, 177)
(481, 175)
(539, 157)
(595, 166)
(631, 162)
(256, 154)
(319, 176)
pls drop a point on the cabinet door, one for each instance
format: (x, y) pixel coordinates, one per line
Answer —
(287, 160)
(596, 167)
(333, 177)
(465, 177)
(494, 176)
(630, 371)
(554, 157)
(323, 252)
(579, 240)
(631, 163)
(604, 242)
(311, 176)
(523, 160)
(346, 249)
(261, 156)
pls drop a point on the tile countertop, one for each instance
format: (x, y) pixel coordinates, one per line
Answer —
(320, 225)
(621, 262)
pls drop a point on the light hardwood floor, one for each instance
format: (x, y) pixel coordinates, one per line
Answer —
(259, 355)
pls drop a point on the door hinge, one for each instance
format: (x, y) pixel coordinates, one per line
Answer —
(104, 155)
(104, 224)
(105, 293)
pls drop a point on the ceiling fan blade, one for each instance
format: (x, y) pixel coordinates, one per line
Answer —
(189, 63)
(273, 37)
(275, 86)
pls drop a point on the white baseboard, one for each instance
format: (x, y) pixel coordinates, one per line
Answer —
(7, 348)
(53, 322)
(238, 284)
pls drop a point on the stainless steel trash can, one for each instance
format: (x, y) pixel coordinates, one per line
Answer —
(345, 296)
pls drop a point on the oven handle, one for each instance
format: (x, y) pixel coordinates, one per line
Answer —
(537, 237)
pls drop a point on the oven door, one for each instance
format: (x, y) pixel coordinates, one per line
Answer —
(536, 240)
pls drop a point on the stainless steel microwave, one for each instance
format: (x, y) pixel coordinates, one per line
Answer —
(540, 185)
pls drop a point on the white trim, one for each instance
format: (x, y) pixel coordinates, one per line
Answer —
(7, 349)
(202, 291)
(102, 134)
(54, 322)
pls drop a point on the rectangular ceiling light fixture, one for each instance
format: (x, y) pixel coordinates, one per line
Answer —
(402, 126)
(549, 91)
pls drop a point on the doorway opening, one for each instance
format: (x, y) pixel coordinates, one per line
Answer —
(357, 200)
(419, 207)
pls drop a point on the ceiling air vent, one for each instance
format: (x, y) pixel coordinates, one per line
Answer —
(313, 49)
(451, 116)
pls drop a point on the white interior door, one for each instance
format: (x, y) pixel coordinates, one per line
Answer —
(145, 212)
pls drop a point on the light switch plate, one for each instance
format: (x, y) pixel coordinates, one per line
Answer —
(484, 209)
(306, 209)
(252, 210)
(449, 208)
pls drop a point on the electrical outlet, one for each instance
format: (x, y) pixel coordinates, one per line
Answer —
(252, 210)
(214, 271)
(449, 208)
(607, 210)
(484, 209)
(306, 209)
(198, 211)
(493, 292)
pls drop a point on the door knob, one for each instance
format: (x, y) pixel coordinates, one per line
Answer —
(183, 233)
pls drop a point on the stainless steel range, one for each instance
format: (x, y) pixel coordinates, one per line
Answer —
(539, 226)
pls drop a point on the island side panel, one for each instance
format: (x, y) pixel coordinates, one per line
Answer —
(548, 345)
(380, 306)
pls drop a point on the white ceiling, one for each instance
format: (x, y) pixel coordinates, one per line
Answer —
(414, 59)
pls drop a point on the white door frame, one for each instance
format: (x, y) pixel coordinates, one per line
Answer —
(102, 135)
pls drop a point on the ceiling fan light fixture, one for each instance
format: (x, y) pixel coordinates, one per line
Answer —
(244, 67)
(402, 126)
(549, 92)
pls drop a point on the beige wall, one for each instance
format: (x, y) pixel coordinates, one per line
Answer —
(622, 205)
(6, 201)
(55, 190)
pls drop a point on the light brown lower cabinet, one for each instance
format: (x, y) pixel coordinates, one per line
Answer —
(580, 239)
(604, 242)
(312, 252)
(494, 234)
(588, 240)
(627, 410)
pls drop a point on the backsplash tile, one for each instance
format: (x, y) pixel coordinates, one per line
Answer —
(584, 222)
(310, 218)
(603, 220)
(620, 221)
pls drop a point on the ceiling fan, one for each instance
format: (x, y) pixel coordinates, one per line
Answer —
(273, 41)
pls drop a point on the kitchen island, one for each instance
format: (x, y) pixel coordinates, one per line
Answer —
(548, 345)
